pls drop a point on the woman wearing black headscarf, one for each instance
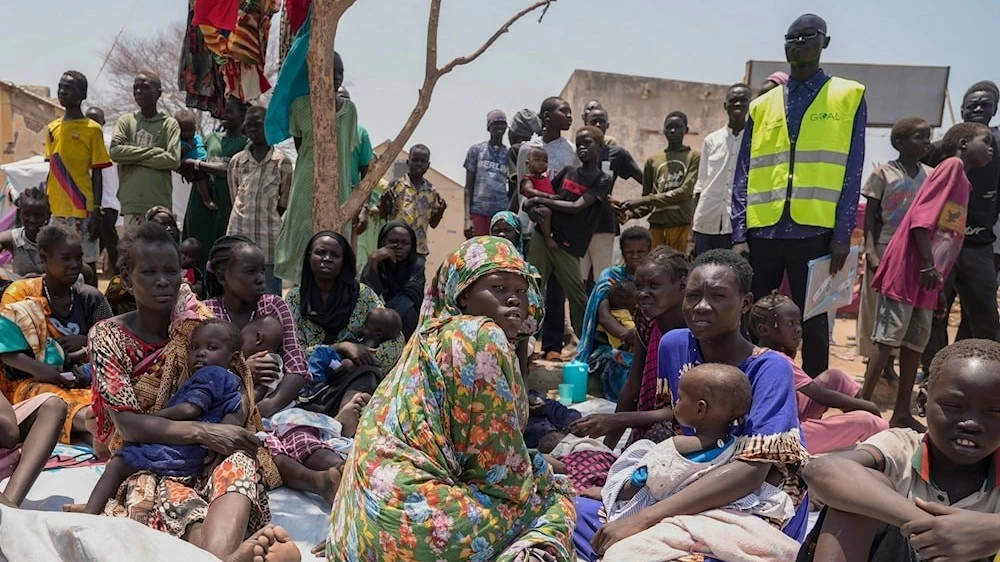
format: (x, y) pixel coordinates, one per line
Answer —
(396, 273)
(330, 306)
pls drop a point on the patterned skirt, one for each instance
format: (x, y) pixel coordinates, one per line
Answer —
(172, 505)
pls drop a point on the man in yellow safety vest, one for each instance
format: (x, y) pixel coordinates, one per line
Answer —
(798, 177)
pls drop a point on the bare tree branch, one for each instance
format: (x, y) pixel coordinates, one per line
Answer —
(489, 42)
(133, 53)
(341, 214)
(433, 20)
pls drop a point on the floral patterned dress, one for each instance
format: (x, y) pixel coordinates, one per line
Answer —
(440, 470)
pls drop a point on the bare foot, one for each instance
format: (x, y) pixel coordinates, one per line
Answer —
(75, 508)
(329, 483)
(4, 500)
(907, 421)
(350, 413)
(270, 544)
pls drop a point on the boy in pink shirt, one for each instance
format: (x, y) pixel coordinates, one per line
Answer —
(777, 323)
(918, 259)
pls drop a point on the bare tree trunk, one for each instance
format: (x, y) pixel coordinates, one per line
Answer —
(323, 100)
(327, 212)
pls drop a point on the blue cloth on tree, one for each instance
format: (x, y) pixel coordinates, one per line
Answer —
(293, 83)
(217, 391)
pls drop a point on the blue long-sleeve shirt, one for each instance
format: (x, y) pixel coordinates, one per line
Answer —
(798, 97)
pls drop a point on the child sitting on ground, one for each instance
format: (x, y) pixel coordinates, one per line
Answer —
(192, 258)
(34, 212)
(212, 394)
(193, 148)
(537, 183)
(775, 322)
(264, 335)
(621, 299)
(712, 398)
(903, 495)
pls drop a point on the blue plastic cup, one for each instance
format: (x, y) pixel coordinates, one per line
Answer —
(566, 394)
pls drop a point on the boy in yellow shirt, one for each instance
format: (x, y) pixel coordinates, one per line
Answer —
(74, 147)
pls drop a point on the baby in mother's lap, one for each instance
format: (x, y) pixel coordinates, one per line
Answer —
(212, 394)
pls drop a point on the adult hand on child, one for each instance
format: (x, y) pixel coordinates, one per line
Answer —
(228, 439)
(743, 249)
(631, 340)
(594, 425)
(952, 534)
(72, 343)
(263, 367)
(613, 532)
(361, 354)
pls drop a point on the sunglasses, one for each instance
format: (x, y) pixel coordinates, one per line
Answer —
(803, 36)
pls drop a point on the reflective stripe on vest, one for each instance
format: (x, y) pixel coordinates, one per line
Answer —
(811, 174)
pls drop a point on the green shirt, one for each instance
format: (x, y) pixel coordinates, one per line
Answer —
(146, 151)
(668, 187)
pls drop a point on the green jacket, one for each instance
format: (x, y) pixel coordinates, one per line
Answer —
(668, 187)
(146, 151)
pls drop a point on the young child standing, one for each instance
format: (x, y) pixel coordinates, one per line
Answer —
(904, 495)
(918, 259)
(668, 181)
(260, 180)
(213, 394)
(777, 324)
(712, 399)
(146, 146)
(413, 200)
(74, 147)
(889, 192)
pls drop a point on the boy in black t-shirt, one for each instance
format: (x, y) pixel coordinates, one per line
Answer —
(574, 217)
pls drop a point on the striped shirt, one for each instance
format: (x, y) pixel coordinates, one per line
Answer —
(271, 305)
(258, 190)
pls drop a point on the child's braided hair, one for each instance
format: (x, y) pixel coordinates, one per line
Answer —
(765, 311)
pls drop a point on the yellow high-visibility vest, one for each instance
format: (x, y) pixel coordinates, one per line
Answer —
(809, 174)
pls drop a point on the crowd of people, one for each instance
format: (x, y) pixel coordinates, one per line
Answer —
(402, 401)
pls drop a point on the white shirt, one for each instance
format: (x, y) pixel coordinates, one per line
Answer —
(714, 187)
(109, 184)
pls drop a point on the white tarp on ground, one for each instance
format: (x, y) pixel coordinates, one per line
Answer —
(306, 518)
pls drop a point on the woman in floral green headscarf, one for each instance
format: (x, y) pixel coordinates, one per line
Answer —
(439, 469)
